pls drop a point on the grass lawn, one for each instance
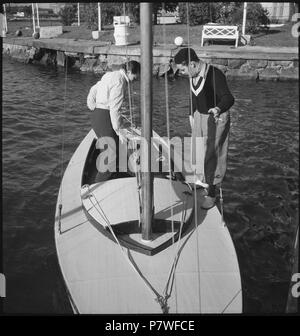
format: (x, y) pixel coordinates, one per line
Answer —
(275, 37)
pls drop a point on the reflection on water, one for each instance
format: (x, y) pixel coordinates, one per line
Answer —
(260, 188)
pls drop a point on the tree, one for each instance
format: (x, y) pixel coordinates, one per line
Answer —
(199, 12)
(227, 13)
(158, 6)
(257, 16)
(108, 11)
(89, 15)
(27, 10)
(232, 13)
(68, 14)
(224, 12)
(133, 10)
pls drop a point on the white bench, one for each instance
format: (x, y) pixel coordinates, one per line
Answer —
(213, 32)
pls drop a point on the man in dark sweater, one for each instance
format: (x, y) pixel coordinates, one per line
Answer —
(212, 99)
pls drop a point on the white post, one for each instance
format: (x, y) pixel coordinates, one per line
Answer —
(124, 12)
(37, 15)
(78, 14)
(5, 20)
(33, 20)
(99, 17)
(244, 18)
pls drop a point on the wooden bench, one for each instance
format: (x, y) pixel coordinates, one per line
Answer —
(213, 32)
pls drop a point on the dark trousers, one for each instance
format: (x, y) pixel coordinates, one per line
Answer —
(101, 124)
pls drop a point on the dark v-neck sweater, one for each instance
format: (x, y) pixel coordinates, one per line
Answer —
(203, 100)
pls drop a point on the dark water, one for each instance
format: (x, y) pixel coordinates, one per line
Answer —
(260, 188)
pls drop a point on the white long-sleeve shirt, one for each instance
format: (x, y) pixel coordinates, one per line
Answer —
(108, 94)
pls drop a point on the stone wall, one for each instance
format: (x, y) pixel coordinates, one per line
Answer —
(105, 60)
(258, 69)
(21, 53)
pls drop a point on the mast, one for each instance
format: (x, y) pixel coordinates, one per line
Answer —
(99, 17)
(244, 19)
(5, 19)
(78, 14)
(146, 111)
(33, 21)
(37, 15)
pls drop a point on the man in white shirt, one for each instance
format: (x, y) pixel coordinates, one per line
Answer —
(105, 99)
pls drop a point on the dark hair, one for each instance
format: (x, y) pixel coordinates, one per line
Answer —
(183, 57)
(133, 66)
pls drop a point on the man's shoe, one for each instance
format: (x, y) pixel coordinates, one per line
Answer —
(208, 203)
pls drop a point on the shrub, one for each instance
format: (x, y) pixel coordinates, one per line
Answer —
(256, 16)
(89, 15)
(199, 12)
(27, 11)
(68, 14)
(135, 12)
(108, 11)
(226, 13)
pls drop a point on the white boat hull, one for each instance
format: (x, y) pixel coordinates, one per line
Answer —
(101, 280)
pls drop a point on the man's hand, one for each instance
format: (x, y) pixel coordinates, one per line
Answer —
(215, 111)
(191, 121)
(122, 135)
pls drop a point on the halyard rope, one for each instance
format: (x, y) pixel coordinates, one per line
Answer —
(161, 299)
(169, 151)
(62, 145)
(218, 163)
(195, 190)
(132, 124)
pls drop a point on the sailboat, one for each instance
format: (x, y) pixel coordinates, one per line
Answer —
(129, 245)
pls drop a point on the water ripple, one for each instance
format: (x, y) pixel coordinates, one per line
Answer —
(260, 188)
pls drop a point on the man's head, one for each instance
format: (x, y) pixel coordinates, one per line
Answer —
(133, 69)
(187, 62)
